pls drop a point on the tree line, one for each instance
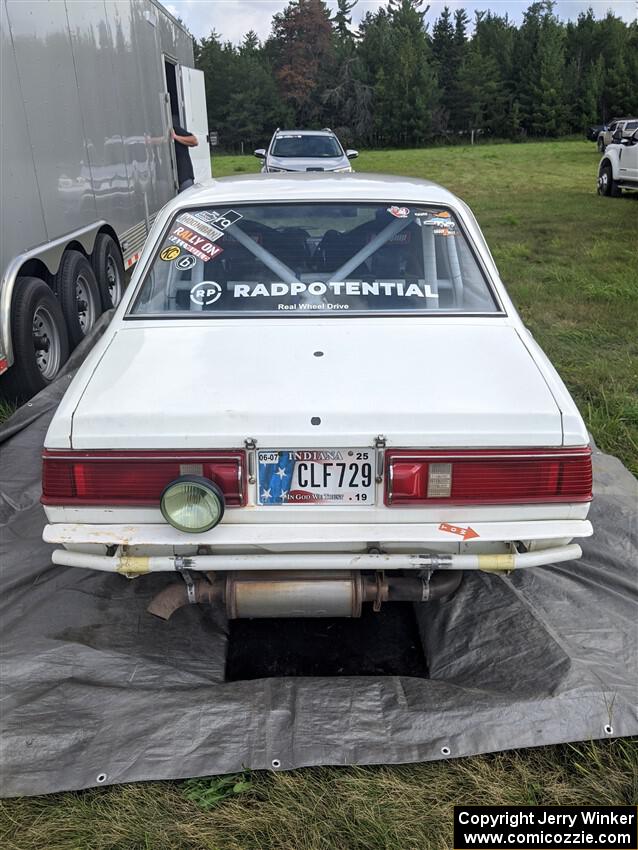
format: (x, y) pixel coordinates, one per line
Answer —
(399, 80)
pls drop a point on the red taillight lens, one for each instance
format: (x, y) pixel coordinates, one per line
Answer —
(135, 478)
(508, 476)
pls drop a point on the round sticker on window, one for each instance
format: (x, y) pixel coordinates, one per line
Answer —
(186, 262)
(399, 212)
(206, 292)
(170, 253)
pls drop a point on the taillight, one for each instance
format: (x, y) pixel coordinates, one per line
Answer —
(492, 476)
(136, 478)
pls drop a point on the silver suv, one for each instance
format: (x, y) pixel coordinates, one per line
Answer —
(619, 128)
(305, 150)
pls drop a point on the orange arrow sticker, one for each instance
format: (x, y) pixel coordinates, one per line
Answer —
(466, 533)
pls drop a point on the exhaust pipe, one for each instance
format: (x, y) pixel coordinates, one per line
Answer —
(302, 594)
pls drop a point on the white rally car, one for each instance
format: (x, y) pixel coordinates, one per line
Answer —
(315, 394)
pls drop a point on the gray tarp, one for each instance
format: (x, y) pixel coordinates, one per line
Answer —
(97, 691)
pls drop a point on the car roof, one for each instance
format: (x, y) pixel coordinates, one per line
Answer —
(304, 186)
(304, 133)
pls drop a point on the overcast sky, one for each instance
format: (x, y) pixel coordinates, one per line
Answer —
(233, 18)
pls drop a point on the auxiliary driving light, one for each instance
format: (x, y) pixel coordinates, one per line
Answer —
(192, 503)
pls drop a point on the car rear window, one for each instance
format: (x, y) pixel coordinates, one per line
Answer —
(297, 145)
(320, 258)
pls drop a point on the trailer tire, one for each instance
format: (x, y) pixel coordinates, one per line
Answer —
(79, 295)
(108, 266)
(36, 320)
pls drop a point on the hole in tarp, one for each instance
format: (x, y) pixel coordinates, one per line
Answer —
(382, 644)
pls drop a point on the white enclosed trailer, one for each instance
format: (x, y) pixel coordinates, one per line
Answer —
(88, 93)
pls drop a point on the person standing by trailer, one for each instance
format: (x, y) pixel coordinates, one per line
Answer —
(184, 140)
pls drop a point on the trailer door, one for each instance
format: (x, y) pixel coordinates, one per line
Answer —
(196, 120)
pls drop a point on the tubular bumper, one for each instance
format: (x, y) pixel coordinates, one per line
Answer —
(139, 565)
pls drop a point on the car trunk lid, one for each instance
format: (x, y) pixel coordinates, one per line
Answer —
(294, 383)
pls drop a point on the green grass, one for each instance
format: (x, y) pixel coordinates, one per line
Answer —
(7, 408)
(568, 258)
(380, 808)
(570, 261)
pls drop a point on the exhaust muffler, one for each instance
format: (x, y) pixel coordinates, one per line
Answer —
(287, 593)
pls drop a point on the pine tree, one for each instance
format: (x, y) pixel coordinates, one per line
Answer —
(456, 102)
(548, 113)
(541, 62)
(250, 44)
(343, 20)
(444, 52)
(303, 52)
(408, 89)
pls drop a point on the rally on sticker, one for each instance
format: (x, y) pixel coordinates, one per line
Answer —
(198, 245)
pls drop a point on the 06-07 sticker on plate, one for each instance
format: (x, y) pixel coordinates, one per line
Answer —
(316, 477)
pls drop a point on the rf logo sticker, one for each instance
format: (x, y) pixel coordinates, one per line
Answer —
(205, 293)
(185, 262)
(170, 253)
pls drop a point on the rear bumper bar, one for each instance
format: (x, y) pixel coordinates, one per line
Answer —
(138, 565)
(261, 536)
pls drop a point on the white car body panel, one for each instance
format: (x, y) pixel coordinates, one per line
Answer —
(285, 537)
(421, 382)
(625, 162)
(460, 385)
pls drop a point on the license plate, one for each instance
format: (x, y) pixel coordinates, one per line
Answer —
(316, 477)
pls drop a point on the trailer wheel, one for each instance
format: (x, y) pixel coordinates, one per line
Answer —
(79, 295)
(109, 270)
(40, 341)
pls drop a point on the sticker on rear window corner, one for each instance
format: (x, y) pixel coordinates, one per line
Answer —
(185, 262)
(436, 213)
(226, 219)
(170, 253)
(438, 222)
(399, 212)
(208, 216)
(205, 293)
(219, 220)
(200, 227)
(192, 242)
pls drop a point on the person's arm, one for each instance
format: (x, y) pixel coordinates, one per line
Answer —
(187, 139)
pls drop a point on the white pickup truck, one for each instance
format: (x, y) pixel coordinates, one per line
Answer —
(618, 168)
